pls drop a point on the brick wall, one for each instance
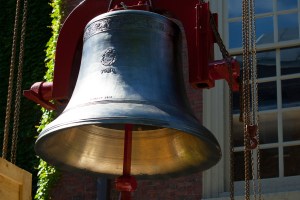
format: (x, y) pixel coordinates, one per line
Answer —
(82, 187)
(72, 186)
(183, 188)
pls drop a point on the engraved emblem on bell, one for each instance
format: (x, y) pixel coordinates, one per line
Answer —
(108, 57)
(142, 85)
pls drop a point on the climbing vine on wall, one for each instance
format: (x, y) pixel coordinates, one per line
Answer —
(48, 175)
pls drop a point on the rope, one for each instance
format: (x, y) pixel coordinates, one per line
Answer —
(19, 86)
(10, 82)
(245, 93)
(250, 99)
(222, 47)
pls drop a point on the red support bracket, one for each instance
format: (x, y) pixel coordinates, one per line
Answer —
(41, 93)
(220, 69)
(204, 47)
(207, 70)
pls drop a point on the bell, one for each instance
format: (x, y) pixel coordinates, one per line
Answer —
(130, 73)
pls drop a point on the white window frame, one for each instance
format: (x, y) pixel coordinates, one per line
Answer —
(215, 117)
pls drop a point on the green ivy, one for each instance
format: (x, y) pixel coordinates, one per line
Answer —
(48, 175)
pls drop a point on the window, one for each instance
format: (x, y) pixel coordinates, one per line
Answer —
(278, 59)
(279, 112)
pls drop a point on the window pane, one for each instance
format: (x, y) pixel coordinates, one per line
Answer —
(288, 27)
(239, 166)
(266, 64)
(291, 161)
(234, 8)
(235, 34)
(267, 133)
(290, 92)
(290, 61)
(291, 125)
(269, 163)
(263, 6)
(238, 132)
(287, 4)
(264, 30)
(267, 96)
(236, 102)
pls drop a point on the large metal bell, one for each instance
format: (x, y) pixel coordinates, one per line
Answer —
(130, 73)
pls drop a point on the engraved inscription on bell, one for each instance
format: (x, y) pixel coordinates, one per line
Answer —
(109, 70)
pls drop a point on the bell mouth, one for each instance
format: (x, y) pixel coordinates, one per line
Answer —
(170, 143)
(156, 151)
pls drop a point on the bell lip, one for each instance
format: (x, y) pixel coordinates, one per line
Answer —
(186, 172)
(190, 126)
(205, 135)
(215, 149)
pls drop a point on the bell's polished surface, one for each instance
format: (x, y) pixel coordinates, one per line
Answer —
(131, 73)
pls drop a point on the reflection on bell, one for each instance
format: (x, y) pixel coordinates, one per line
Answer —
(130, 73)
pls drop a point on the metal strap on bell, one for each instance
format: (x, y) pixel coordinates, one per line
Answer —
(130, 73)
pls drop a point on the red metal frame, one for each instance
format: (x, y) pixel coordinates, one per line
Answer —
(218, 70)
(41, 92)
(204, 46)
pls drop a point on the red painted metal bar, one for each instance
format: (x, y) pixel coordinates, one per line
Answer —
(199, 74)
(126, 195)
(126, 183)
(127, 150)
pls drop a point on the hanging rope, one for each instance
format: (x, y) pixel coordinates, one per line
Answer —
(18, 87)
(249, 107)
(10, 82)
(249, 103)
